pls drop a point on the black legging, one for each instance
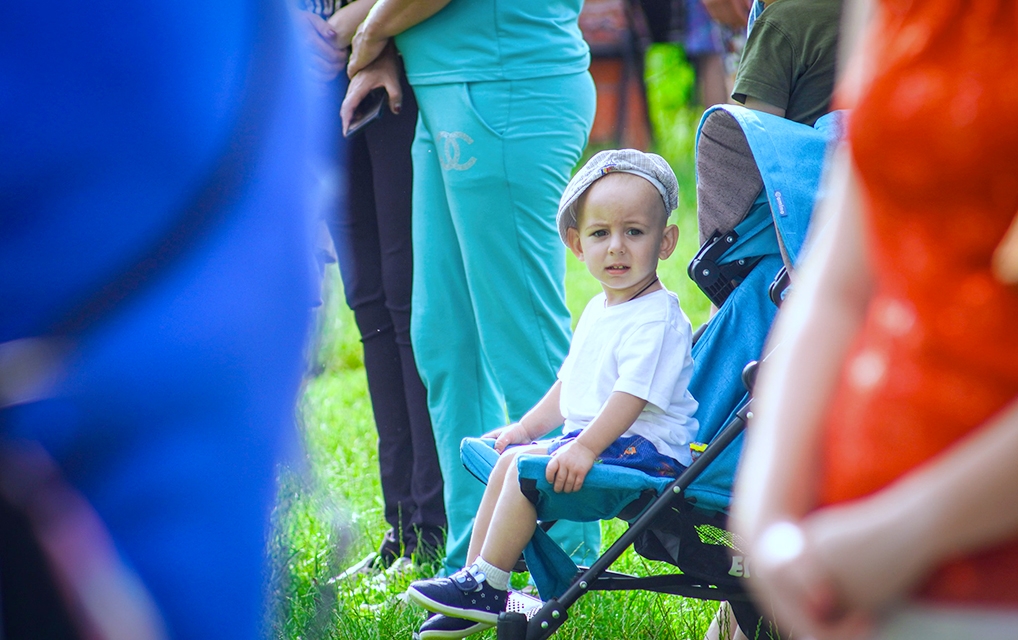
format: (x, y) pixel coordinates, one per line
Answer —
(372, 236)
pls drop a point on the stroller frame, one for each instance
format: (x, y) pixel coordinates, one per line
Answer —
(791, 184)
(598, 578)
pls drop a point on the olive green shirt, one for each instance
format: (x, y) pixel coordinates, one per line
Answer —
(790, 57)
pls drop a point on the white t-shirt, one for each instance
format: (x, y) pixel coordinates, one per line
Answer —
(640, 347)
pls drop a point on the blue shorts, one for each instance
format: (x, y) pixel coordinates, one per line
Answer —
(634, 452)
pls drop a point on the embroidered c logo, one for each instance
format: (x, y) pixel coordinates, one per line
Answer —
(450, 153)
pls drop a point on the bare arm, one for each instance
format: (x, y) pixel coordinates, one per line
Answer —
(546, 414)
(969, 493)
(347, 18)
(385, 20)
(778, 473)
(813, 330)
(618, 414)
(766, 107)
(1005, 258)
(855, 560)
(570, 464)
(811, 336)
(875, 551)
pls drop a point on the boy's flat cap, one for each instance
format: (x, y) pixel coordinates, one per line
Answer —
(649, 166)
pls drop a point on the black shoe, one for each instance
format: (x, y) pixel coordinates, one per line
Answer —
(440, 627)
(389, 550)
(465, 594)
(376, 562)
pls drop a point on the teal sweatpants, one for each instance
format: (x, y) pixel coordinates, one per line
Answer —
(489, 325)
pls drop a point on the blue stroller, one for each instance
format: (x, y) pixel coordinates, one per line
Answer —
(682, 521)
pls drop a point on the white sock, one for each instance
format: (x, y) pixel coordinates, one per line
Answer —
(492, 575)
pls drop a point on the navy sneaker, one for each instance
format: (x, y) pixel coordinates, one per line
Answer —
(440, 627)
(465, 594)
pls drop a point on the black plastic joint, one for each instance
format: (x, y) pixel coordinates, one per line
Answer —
(546, 621)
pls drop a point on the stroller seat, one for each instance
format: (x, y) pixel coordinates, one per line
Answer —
(609, 491)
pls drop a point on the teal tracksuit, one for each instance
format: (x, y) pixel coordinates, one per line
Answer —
(506, 104)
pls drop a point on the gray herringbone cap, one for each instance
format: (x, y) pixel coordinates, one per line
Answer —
(649, 166)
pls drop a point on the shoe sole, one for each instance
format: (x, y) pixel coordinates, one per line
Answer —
(477, 627)
(362, 568)
(435, 606)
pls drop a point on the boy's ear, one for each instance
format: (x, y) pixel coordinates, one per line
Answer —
(669, 239)
(573, 241)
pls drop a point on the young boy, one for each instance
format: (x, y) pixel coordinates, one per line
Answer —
(622, 390)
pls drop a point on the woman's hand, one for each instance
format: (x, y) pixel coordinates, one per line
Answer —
(327, 54)
(383, 72)
(569, 467)
(367, 47)
(788, 575)
(842, 567)
(851, 563)
(387, 18)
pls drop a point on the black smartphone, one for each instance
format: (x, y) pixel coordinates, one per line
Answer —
(370, 109)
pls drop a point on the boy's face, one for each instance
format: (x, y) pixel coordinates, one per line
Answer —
(621, 234)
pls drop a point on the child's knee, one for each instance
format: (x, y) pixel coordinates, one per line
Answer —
(504, 458)
(505, 462)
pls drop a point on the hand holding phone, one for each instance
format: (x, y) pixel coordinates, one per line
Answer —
(370, 109)
(383, 72)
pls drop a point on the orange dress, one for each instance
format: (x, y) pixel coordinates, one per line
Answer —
(935, 143)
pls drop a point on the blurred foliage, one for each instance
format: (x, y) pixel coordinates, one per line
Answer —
(671, 85)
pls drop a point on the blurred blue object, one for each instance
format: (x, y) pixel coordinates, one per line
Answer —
(175, 404)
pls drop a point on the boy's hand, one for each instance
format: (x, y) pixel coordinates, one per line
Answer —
(513, 434)
(569, 467)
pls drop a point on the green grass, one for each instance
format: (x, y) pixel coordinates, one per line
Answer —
(329, 511)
